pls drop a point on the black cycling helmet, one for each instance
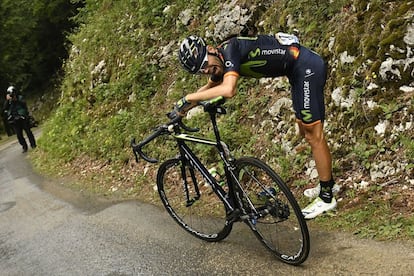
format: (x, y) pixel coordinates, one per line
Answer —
(193, 54)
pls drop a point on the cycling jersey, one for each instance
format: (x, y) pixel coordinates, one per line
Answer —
(275, 56)
(261, 56)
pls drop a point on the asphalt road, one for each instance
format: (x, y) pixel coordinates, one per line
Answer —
(47, 229)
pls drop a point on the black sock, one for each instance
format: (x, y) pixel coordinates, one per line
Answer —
(326, 190)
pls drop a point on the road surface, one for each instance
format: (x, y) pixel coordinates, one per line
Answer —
(47, 229)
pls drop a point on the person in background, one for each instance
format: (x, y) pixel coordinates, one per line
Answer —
(15, 108)
(6, 125)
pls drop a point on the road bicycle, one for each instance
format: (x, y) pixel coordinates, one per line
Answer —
(252, 193)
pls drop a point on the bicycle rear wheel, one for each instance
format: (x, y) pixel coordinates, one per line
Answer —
(203, 215)
(274, 214)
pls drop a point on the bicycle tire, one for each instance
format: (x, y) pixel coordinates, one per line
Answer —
(283, 230)
(205, 218)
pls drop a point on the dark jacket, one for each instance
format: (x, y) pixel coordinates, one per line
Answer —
(16, 109)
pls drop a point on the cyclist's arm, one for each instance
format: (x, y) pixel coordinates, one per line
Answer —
(227, 89)
(209, 85)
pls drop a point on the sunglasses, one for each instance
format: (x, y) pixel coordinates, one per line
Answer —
(204, 64)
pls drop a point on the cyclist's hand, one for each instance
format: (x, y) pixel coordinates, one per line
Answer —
(180, 108)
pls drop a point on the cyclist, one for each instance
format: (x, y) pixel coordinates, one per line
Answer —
(267, 56)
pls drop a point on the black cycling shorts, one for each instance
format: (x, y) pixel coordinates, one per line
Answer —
(308, 79)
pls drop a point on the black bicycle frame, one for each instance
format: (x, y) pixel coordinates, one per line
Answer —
(188, 157)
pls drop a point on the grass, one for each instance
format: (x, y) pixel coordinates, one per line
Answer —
(370, 219)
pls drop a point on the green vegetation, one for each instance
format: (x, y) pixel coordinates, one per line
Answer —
(32, 49)
(32, 36)
(122, 76)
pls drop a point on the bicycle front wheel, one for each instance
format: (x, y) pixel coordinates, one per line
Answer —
(274, 215)
(192, 202)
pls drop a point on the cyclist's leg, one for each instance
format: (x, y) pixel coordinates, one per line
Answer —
(308, 81)
(314, 135)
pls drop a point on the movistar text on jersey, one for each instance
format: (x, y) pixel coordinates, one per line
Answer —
(273, 52)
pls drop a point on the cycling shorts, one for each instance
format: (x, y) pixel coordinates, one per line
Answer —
(308, 78)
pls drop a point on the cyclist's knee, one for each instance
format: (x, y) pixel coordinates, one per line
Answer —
(300, 128)
(313, 133)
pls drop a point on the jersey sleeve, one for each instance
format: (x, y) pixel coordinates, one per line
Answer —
(231, 55)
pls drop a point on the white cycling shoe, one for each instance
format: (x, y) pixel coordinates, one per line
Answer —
(314, 192)
(317, 207)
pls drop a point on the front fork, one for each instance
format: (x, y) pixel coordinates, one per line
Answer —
(217, 189)
(189, 201)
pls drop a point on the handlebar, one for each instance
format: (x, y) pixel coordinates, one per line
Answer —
(211, 106)
(137, 148)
